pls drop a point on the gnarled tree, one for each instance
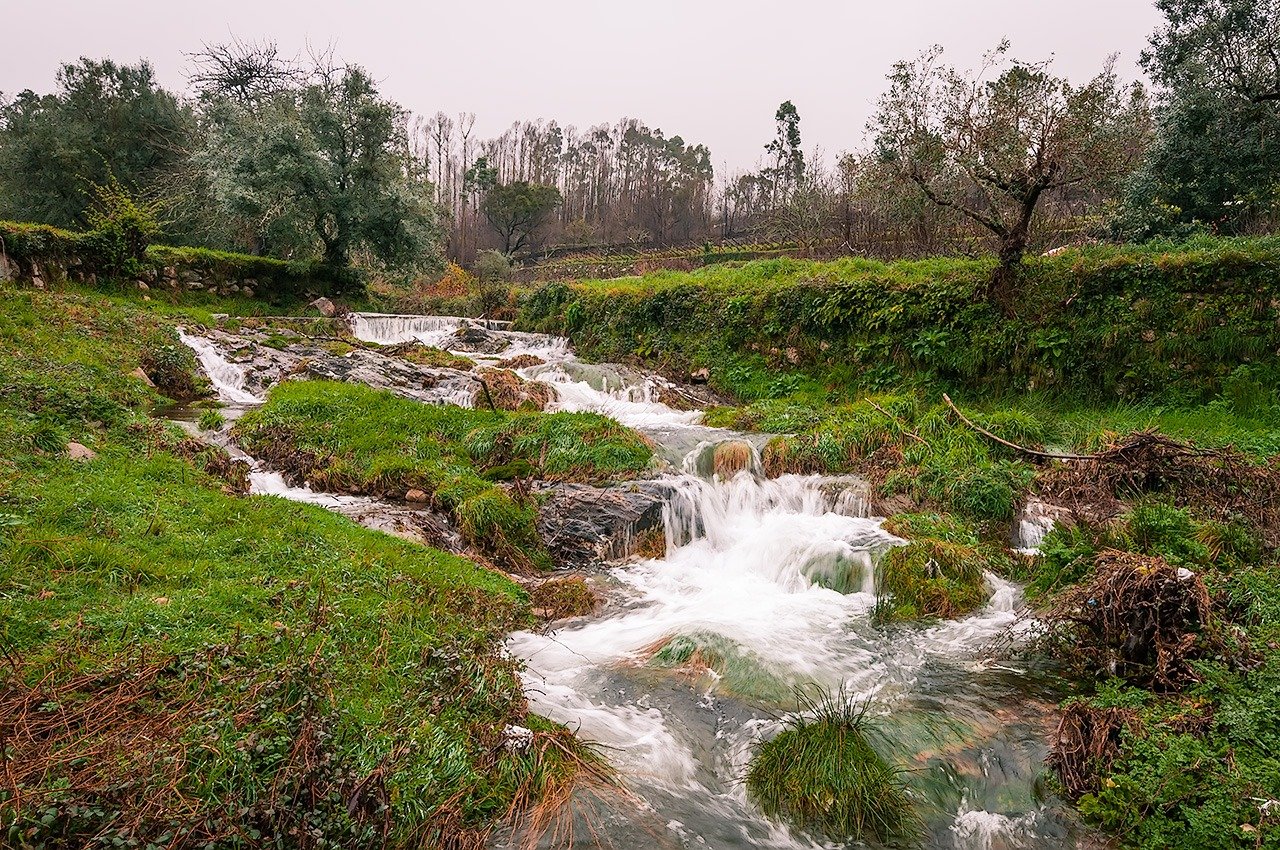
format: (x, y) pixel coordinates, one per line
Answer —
(992, 145)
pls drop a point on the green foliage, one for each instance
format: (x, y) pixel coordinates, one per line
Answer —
(105, 122)
(1167, 322)
(324, 163)
(322, 432)
(515, 210)
(822, 775)
(122, 227)
(1215, 161)
(211, 420)
(930, 578)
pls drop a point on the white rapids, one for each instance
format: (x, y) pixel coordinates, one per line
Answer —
(775, 579)
(228, 378)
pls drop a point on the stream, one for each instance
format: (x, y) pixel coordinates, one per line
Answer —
(767, 585)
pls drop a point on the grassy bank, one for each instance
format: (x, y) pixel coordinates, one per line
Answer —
(1104, 323)
(354, 439)
(183, 666)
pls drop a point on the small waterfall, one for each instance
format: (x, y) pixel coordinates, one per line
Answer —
(1034, 523)
(227, 377)
(390, 330)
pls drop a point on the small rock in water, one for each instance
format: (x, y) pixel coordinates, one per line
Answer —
(417, 496)
(517, 738)
(79, 451)
(326, 307)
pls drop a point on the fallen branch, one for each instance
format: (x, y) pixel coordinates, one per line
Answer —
(912, 434)
(1033, 452)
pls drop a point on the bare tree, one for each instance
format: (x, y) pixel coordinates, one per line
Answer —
(992, 145)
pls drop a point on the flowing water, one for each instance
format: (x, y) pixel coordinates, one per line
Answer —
(767, 585)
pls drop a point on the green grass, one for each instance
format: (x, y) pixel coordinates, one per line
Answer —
(822, 776)
(1107, 323)
(232, 669)
(354, 439)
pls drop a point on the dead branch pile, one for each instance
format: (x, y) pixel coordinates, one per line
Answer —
(1086, 744)
(1137, 617)
(1219, 483)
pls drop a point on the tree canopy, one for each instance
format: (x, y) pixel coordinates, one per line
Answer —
(324, 162)
(1216, 158)
(514, 211)
(992, 144)
(105, 121)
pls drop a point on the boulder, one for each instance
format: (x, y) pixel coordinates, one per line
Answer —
(700, 376)
(325, 307)
(583, 525)
(79, 451)
(246, 292)
(141, 375)
(417, 496)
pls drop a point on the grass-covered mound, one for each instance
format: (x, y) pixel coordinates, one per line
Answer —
(930, 578)
(353, 439)
(822, 776)
(186, 666)
(1166, 321)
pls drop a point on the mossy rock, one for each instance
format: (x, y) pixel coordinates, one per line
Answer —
(823, 777)
(930, 578)
(737, 671)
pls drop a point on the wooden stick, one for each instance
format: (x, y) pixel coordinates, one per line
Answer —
(1014, 446)
(912, 434)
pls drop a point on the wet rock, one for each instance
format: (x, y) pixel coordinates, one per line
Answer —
(141, 375)
(477, 339)
(79, 451)
(583, 525)
(325, 307)
(898, 503)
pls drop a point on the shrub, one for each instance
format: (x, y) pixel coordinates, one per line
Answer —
(822, 775)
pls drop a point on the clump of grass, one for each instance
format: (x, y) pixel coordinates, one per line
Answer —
(558, 598)
(822, 775)
(500, 527)
(730, 458)
(211, 420)
(943, 527)
(930, 578)
(428, 355)
(505, 390)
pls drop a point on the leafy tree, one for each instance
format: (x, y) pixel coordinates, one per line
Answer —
(323, 163)
(1216, 158)
(788, 158)
(105, 122)
(515, 210)
(992, 145)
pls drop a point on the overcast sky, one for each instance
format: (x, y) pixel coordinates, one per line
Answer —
(713, 71)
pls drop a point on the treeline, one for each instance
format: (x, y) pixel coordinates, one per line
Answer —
(305, 159)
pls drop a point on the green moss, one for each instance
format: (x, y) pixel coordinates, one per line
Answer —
(930, 578)
(822, 775)
(737, 671)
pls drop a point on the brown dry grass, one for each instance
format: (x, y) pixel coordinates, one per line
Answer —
(1086, 744)
(508, 391)
(728, 459)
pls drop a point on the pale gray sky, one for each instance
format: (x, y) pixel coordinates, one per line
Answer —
(713, 71)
